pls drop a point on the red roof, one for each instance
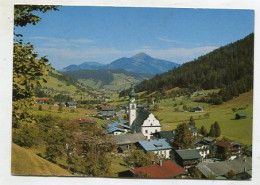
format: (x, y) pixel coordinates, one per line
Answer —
(83, 120)
(167, 170)
(223, 143)
(42, 99)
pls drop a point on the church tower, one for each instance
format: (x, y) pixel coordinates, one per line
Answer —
(132, 106)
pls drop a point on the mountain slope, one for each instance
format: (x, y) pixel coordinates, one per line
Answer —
(141, 63)
(229, 67)
(25, 162)
(107, 80)
(85, 65)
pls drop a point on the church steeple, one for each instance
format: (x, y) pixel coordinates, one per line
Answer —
(132, 106)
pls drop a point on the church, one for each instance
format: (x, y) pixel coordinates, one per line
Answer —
(141, 120)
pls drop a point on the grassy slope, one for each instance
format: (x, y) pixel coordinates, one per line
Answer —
(25, 162)
(79, 112)
(240, 130)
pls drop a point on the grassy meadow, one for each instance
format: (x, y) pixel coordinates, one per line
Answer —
(238, 130)
(26, 162)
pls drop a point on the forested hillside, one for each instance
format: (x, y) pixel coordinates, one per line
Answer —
(229, 67)
(107, 79)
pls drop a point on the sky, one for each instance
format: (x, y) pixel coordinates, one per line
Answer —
(77, 34)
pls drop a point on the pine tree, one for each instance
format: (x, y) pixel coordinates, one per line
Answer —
(192, 122)
(60, 108)
(40, 108)
(203, 131)
(212, 131)
(217, 129)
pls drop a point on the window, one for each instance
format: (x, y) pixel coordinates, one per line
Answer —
(146, 131)
(151, 124)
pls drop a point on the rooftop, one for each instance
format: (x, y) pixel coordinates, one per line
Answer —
(188, 154)
(168, 169)
(155, 144)
(128, 138)
(239, 165)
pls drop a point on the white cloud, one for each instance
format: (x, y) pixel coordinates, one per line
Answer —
(106, 55)
(62, 43)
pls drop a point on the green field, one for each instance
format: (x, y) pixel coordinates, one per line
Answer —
(118, 165)
(79, 112)
(26, 162)
(238, 130)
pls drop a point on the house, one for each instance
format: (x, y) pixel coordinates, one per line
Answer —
(187, 158)
(84, 121)
(240, 116)
(203, 148)
(72, 105)
(196, 109)
(107, 111)
(141, 120)
(193, 129)
(158, 146)
(227, 150)
(165, 169)
(42, 100)
(115, 127)
(241, 166)
(168, 135)
(125, 141)
(56, 104)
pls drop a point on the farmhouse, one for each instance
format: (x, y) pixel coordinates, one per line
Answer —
(227, 150)
(71, 105)
(107, 111)
(83, 121)
(203, 148)
(141, 120)
(196, 109)
(241, 166)
(240, 116)
(42, 100)
(193, 129)
(115, 127)
(159, 146)
(168, 135)
(187, 158)
(125, 141)
(165, 169)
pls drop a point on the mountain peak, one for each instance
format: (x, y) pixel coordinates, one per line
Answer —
(141, 56)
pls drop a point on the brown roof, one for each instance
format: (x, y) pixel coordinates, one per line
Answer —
(83, 120)
(223, 143)
(168, 169)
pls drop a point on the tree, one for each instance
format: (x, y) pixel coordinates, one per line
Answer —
(28, 69)
(184, 139)
(203, 131)
(40, 108)
(156, 107)
(138, 158)
(185, 108)
(212, 131)
(54, 144)
(217, 129)
(60, 108)
(88, 149)
(192, 122)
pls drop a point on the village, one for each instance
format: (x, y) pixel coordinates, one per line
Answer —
(140, 130)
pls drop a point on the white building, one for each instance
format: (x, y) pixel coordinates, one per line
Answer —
(150, 125)
(142, 121)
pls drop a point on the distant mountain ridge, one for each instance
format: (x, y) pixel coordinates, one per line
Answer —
(141, 63)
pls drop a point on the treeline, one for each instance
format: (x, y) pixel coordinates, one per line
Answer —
(230, 68)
